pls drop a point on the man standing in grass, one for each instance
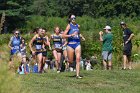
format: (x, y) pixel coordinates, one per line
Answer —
(107, 47)
(127, 46)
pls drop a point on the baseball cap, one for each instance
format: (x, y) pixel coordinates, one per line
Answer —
(107, 27)
(122, 23)
(73, 16)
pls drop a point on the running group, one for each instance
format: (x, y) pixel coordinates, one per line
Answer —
(67, 43)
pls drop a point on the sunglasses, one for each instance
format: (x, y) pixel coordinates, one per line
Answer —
(73, 18)
(16, 33)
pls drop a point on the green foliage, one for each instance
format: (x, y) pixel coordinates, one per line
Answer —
(95, 8)
(18, 11)
(89, 28)
(4, 39)
(15, 7)
(45, 22)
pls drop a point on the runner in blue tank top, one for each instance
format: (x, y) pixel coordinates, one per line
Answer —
(14, 45)
(73, 34)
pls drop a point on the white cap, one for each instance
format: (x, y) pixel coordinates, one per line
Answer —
(122, 23)
(73, 16)
(107, 27)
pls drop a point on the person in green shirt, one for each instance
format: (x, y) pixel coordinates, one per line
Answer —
(107, 47)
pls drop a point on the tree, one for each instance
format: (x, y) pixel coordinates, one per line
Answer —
(15, 12)
(2, 21)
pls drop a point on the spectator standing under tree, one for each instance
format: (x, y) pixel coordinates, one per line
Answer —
(127, 45)
(107, 47)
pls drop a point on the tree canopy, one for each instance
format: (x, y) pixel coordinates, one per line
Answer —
(94, 8)
(20, 10)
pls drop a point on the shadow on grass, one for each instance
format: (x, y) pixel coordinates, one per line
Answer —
(73, 76)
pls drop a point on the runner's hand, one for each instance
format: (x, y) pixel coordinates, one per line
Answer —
(75, 33)
(11, 48)
(44, 49)
(126, 42)
(33, 52)
(50, 48)
(83, 39)
(60, 48)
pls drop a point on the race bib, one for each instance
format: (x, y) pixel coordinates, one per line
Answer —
(38, 46)
(16, 47)
(76, 37)
(57, 45)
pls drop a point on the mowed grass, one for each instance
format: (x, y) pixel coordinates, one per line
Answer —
(96, 81)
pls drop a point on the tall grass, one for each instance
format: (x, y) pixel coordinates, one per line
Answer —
(9, 81)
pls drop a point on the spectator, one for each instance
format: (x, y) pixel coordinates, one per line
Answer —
(93, 60)
(88, 64)
(107, 47)
(127, 45)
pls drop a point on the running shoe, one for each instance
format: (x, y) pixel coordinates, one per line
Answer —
(79, 77)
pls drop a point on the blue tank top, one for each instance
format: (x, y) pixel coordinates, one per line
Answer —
(73, 29)
(57, 41)
(15, 42)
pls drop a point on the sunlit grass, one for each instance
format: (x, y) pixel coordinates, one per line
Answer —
(96, 81)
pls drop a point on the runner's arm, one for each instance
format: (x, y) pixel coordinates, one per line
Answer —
(66, 31)
(131, 36)
(65, 43)
(101, 36)
(31, 43)
(48, 42)
(9, 44)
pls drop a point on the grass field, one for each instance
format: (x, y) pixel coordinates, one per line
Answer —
(96, 81)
